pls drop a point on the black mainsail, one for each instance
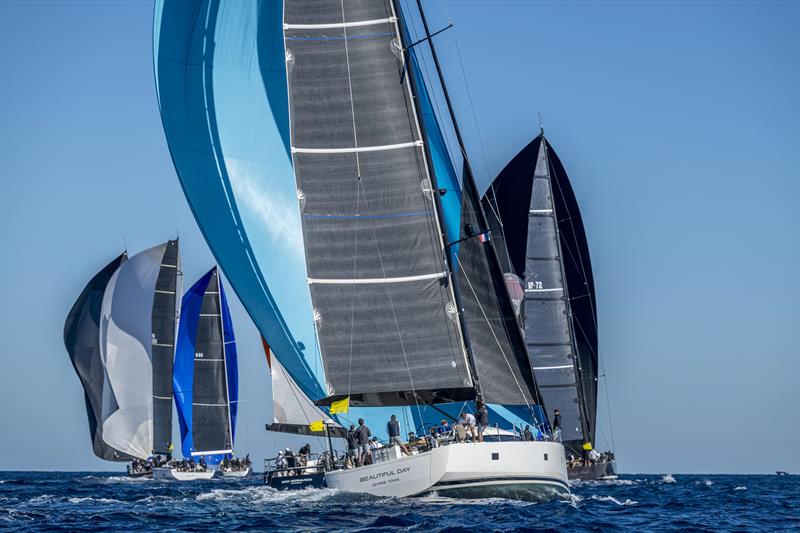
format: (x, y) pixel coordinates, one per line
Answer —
(164, 323)
(544, 244)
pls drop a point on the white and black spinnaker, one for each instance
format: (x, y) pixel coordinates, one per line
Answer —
(206, 379)
(293, 411)
(544, 245)
(120, 335)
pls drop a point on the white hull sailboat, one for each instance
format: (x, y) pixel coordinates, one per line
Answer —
(235, 473)
(531, 471)
(166, 473)
(407, 302)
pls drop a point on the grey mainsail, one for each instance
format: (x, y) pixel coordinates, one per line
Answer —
(82, 339)
(545, 244)
(383, 304)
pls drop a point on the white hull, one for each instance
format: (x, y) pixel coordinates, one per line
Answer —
(173, 474)
(533, 471)
(236, 473)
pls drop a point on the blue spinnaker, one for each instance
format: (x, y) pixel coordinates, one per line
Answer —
(221, 81)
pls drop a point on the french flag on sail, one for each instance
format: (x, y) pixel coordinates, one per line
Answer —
(486, 236)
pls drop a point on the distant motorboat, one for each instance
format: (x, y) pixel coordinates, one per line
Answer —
(781, 473)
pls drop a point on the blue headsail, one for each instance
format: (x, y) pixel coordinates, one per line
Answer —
(205, 378)
(221, 80)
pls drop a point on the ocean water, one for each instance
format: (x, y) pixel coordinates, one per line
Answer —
(36, 501)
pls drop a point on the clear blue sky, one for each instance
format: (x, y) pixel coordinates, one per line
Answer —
(679, 123)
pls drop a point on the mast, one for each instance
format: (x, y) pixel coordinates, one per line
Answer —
(468, 175)
(438, 202)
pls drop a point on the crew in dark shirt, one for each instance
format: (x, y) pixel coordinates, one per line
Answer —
(557, 424)
(362, 439)
(393, 429)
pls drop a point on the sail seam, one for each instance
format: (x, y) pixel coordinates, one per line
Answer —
(367, 281)
(355, 149)
(338, 24)
(558, 367)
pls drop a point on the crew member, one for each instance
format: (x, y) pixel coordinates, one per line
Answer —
(362, 439)
(557, 425)
(393, 429)
(483, 418)
(527, 435)
(467, 421)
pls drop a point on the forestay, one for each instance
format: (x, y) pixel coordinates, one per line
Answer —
(383, 305)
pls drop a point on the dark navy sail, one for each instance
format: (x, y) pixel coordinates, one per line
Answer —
(383, 305)
(546, 247)
(204, 360)
(82, 339)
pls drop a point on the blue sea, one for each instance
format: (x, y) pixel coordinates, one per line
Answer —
(37, 501)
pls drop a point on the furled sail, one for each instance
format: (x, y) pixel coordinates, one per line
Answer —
(220, 75)
(205, 378)
(293, 411)
(383, 303)
(546, 247)
(82, 339)
(136, 321)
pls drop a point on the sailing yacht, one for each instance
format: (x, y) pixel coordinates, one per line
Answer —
(120, 335)
(205, 382)
(407, 302)
(545, 258)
